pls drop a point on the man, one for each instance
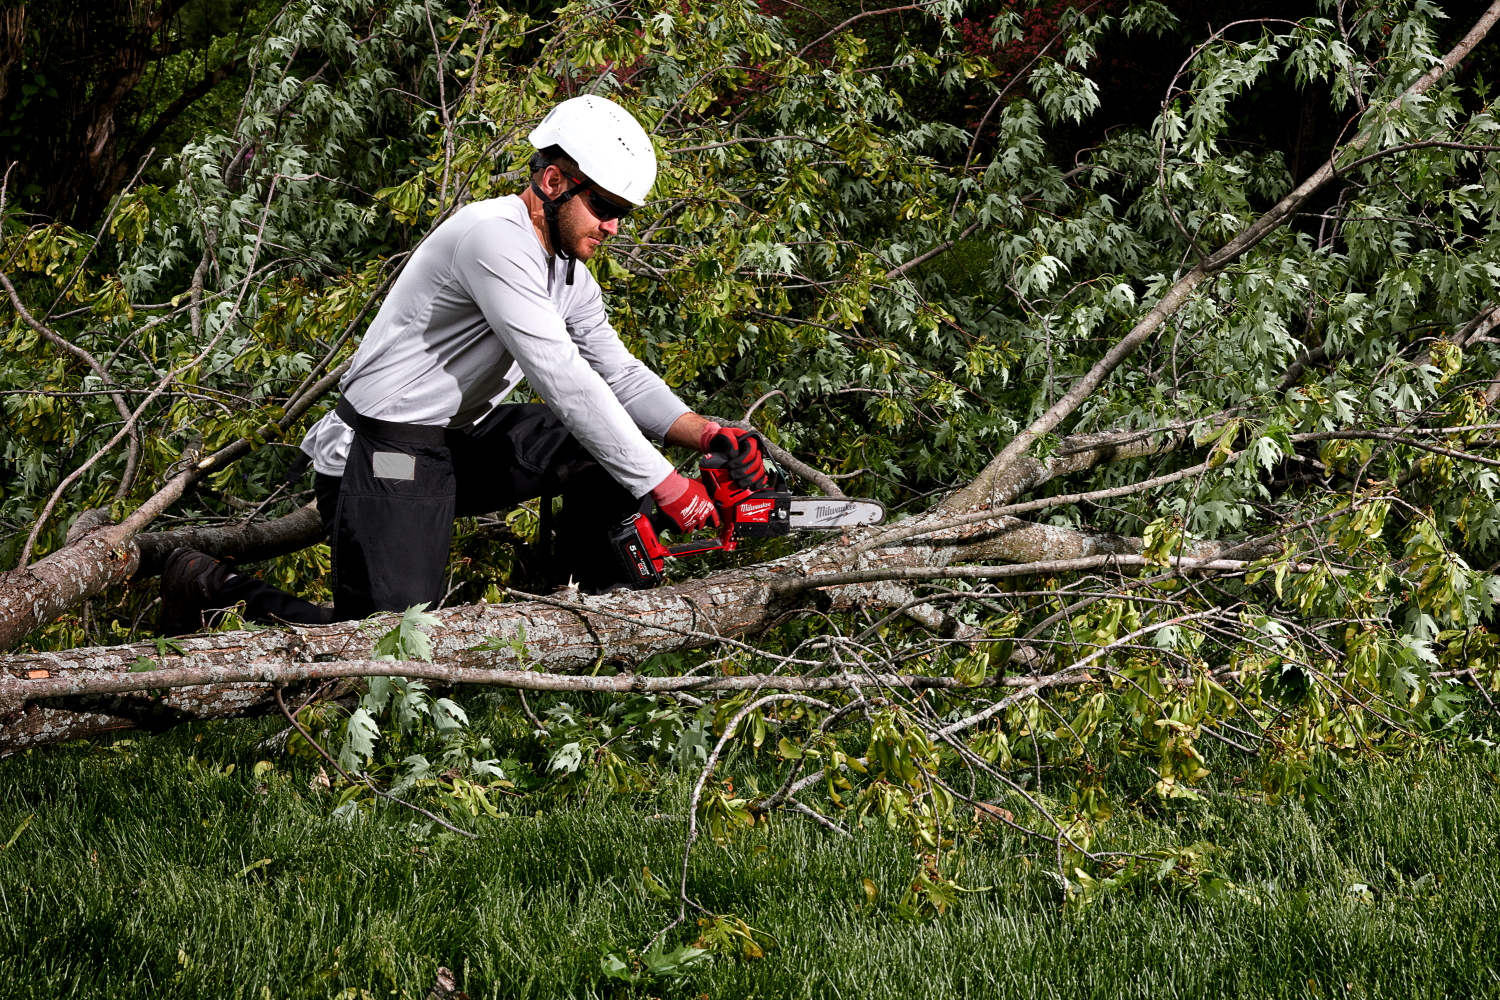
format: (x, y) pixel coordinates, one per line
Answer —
(421, 435)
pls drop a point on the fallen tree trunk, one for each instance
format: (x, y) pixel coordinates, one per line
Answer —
(624, 628)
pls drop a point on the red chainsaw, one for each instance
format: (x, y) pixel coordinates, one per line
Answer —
(742, 514)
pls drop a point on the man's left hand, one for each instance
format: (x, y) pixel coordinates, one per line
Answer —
(744, 455)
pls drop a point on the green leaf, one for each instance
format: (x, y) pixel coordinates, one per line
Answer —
(408, 640)
(252, 866)
(567, 758)
(613, 966)
(19, 830)
(360, 734)
(448, 714)
(675, 962)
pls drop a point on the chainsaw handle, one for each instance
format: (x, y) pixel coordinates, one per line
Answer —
(661, 522)
(693, 548)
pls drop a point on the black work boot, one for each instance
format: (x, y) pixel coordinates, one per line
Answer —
(189, 582)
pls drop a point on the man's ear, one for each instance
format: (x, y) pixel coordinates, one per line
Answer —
(553, 183)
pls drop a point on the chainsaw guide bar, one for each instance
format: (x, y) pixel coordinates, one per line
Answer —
(830, 514)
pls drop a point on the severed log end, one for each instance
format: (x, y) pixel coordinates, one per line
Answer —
(445, 986)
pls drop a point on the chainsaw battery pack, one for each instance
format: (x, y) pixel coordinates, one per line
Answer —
(639, 552)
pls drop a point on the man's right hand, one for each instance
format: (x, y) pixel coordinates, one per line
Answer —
(686, 502)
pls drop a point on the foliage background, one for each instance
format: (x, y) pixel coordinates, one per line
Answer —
(1066, 170)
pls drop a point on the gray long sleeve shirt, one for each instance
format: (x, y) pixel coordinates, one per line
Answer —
(478, 307)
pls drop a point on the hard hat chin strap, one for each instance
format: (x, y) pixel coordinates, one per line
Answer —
(549, 209)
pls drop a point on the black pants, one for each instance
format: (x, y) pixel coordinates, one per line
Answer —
(390, 517)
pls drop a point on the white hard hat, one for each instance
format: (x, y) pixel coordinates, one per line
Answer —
(606, 142)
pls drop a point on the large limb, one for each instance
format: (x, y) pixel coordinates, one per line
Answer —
(983, 488)
(242, 543)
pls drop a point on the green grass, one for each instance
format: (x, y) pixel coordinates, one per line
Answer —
(131, 881)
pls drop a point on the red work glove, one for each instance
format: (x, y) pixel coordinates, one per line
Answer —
(743, 453)
(686, 502)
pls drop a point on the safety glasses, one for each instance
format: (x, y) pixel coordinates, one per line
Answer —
(602, 207)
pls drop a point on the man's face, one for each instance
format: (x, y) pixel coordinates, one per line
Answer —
(581, 230)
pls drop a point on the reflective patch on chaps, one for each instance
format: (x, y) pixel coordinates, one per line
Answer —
(393, 465)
